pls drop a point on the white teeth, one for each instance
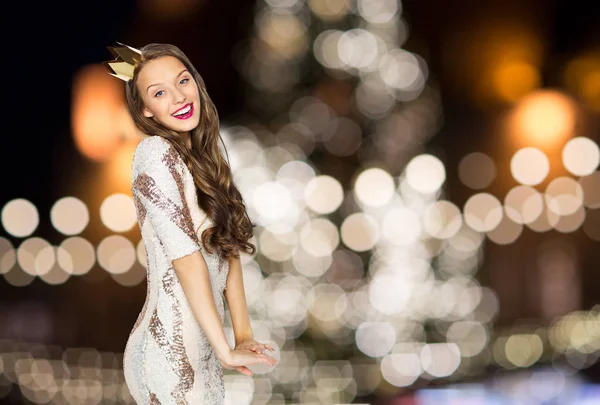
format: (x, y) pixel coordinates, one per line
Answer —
(184, 111)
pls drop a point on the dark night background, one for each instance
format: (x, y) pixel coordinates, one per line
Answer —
(47, 42)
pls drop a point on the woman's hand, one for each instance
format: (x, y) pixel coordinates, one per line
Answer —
(253, 345)
(238, 359)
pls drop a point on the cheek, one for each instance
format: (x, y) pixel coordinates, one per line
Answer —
(192, 92)
(157, 107)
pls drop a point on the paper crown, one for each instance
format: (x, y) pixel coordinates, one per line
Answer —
(126, 58)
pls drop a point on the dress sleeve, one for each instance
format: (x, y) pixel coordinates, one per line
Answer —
(159, 197)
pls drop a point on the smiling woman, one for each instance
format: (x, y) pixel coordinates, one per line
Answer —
(171, 100)
(194, 224)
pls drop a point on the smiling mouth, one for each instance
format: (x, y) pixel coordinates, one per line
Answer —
(184, 112)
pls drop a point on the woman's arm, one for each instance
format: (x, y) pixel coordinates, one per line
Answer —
(194, 278)
(236, 301)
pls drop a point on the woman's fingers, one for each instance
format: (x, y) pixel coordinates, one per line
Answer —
(263, 358)
(244, 370)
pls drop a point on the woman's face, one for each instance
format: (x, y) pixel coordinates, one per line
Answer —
(170, 94)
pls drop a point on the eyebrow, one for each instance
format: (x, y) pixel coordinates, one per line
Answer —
(156, 84)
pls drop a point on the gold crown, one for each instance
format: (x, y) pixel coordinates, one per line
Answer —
(126, 58)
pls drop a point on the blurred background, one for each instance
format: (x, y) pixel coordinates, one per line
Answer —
(424, 176)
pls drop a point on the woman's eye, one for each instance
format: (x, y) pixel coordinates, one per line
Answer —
(158, 93)
(183, 81)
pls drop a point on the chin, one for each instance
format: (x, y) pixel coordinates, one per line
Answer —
(184, 126)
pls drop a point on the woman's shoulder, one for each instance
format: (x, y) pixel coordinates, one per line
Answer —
(150, 150)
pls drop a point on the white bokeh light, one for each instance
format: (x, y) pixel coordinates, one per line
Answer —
(389, 293)
(401, 226)
(36, 256)
(375, 339)
(399, 69)
(425, 173)
(76, 255)
(117, 212)
(581, 156)
(374, 187)
(323, 194)
(529, 166)
(272, 201)
(440, 359)
(319, 237)
(564, 196)
(116, 254)
(378, 11)
(357, 48)
(69, 215)
(483, 212)
(360, 232)
(442, 219)
(523, 204)
(20, 217)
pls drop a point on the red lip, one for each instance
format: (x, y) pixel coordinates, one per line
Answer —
(185, 116)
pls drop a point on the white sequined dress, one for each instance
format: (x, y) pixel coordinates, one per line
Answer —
(167, 358)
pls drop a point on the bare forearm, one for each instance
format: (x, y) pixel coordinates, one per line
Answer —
(236, 301)
(195, 281)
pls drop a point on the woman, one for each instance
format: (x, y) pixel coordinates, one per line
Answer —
(193, 223)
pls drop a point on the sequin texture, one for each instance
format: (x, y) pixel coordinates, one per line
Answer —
(167, 358)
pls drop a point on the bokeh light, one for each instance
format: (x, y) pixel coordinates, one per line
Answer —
(98, 109)
(529, 166)
(476, 170)
(590, 185)
(514, 79)
(483, 212)
(36, 256)
(20, 217)
(581, 77)
(76, 256)
(360, 232)
(543, 119)
(116, 254)
(523, 204)
(330, 10)
(117, 212)
(442, 219)
(69, 215)
(323, 194)
(425, 173)
(319, 237)
(564, 196)
(571, 222)
(8, 255)
(581, 156)
(378, 11)
(374, 187)
(401, 226)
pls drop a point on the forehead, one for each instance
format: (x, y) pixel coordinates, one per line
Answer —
(161, 70)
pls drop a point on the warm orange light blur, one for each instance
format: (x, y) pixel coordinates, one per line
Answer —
(582, 76)
(543, 119)
(495, 60)
(96, 112)
(590, 89)
(116, 175)
(513, 80)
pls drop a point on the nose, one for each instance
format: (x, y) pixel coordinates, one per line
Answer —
(178, 96)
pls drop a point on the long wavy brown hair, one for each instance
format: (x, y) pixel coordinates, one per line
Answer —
(217, 194)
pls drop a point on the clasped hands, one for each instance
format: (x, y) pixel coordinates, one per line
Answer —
(248, 352)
